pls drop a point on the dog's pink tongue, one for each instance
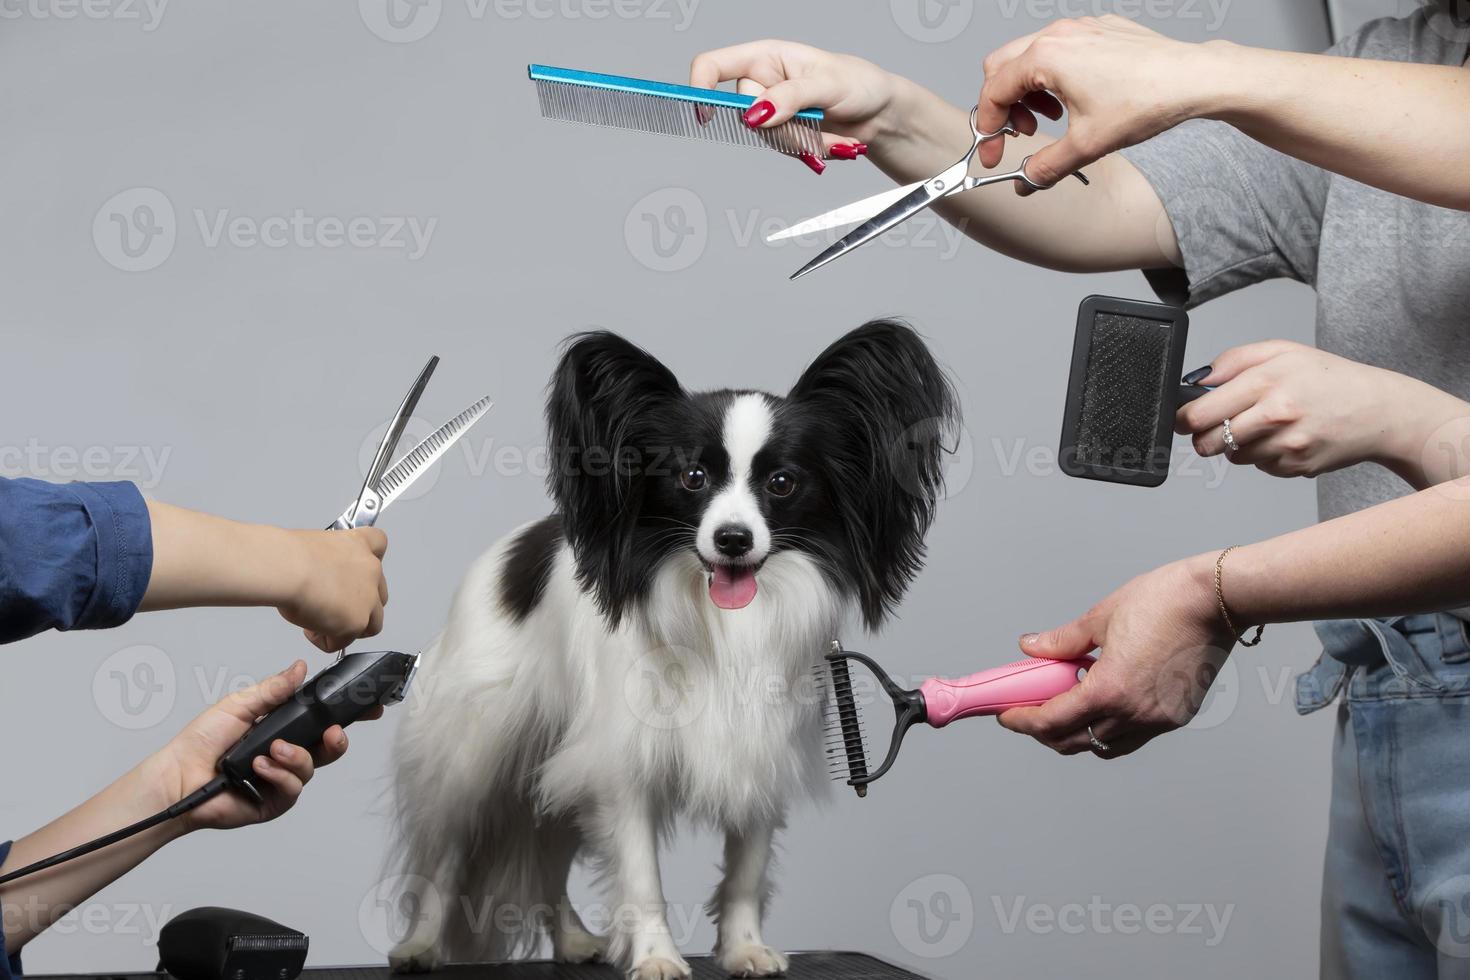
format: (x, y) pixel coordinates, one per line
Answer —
(732, 587)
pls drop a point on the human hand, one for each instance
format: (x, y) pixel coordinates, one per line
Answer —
(1120, 83)
(854, 95)
(1298, 411)
(338, 592)
(189, 760)
(1162, 643)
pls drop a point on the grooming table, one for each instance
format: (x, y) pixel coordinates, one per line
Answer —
(804, 966)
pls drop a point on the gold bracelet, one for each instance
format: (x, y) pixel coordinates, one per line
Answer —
(1220, 599)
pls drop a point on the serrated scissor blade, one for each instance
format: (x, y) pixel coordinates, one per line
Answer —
(418, 459)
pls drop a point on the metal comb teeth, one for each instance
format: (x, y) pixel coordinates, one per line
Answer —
(671, 116)
(846, 735)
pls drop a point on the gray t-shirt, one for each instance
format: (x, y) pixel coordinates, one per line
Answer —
(1392, 275)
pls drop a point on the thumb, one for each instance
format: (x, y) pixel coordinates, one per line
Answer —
(1055, 162)
(1232, 362)
(1063, 643)
(376, 540)
(795, 94)
(272, 692)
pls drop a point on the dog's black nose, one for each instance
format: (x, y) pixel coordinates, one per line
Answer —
(733, 540)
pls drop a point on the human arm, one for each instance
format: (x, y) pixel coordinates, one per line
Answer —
(1163, 638)
(90, 555)
(1382, 123)
(1298, 411)
(330, 583)
(35, 902)
(911, 134)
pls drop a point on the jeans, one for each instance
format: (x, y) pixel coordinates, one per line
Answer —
(1396, 880)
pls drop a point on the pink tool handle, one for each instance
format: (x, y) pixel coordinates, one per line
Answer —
(1024, 683)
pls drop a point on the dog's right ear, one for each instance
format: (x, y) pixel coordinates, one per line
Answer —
(603, 414)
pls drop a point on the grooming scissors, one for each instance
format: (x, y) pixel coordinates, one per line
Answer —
(384, 485)
(893, 207)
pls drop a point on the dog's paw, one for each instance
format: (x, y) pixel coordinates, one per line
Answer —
(578, 947)
(753, 960)
(658, 968)
(414, 956)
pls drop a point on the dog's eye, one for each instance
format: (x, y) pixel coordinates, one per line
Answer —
(781, 484)
(693, 478)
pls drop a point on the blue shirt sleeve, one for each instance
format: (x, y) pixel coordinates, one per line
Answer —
(9, 965)
(72, 556)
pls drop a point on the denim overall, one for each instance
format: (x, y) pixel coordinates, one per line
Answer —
(1396, 882)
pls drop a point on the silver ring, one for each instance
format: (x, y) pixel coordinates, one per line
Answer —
(1098, 745)
(1230, 442)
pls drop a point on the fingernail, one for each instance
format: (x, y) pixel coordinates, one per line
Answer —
(261, 762)
(280, 750)
(342, 740)
(811, 160)
(1028, 638)
(759, 113)
(849, 151)
(1197, 375)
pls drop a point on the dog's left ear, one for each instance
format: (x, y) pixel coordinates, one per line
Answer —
(892, 414)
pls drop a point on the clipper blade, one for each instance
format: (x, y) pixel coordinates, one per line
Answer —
(846, 736)
(671, 110)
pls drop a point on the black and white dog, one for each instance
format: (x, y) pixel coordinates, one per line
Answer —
(640, 654)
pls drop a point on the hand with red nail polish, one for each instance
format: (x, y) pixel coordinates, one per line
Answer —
(855, 96)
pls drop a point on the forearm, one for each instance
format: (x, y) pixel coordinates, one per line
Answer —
(1431, 444)
(32, 904)
(1117, 222)
(1406, 556)
(1392, 125)
(202, 560)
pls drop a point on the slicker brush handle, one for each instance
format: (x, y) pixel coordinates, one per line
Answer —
(1023, 684)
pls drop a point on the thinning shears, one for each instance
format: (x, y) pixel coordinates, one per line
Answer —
(384, 485)
(893, 207)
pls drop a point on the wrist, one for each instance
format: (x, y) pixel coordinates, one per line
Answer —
(1223, 81)
(157, 784)
(1410, 417)
(907, 116)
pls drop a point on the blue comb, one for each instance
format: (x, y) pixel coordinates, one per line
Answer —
(672, 110)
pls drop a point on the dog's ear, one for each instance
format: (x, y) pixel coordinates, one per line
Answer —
(607, 400)
(891, 413)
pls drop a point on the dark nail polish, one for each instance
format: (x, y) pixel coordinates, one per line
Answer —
(759, 113)
(846, 151)
(811, 161)
(1197, 375)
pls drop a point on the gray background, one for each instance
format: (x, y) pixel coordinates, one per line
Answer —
(257, 375)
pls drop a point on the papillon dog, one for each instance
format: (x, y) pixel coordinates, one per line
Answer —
(646, 652)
